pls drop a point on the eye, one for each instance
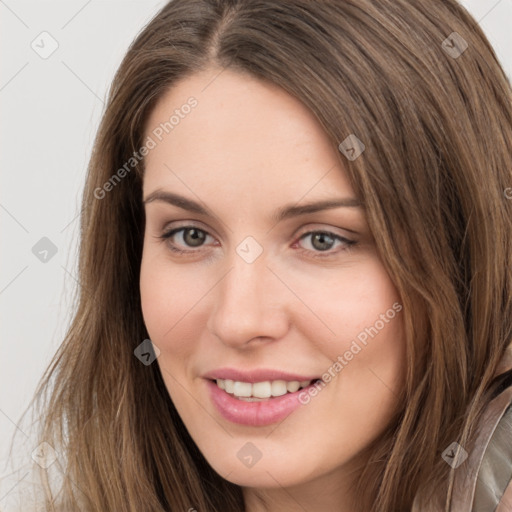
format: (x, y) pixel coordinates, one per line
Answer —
(320, 243)
(324, 241)
(187, 236)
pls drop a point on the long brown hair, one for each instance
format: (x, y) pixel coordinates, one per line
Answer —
(433, 110)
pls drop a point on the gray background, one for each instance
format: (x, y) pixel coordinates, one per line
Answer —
(50, 112)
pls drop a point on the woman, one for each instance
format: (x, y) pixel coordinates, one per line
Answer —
(343, 356)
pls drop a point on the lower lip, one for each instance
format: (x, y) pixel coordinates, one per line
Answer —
(255, 414)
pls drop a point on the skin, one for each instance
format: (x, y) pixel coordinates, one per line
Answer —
(247, 149)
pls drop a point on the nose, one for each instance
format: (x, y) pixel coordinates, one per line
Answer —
(250, 303)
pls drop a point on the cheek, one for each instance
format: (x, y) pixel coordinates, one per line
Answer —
(365, 341)
(167, 300)
(169, 293)
(354, 303)
(156, 298)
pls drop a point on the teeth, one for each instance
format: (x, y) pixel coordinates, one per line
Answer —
(242, 389)
(260, 390)
(279, 388)
(229, 386)
(293, 386)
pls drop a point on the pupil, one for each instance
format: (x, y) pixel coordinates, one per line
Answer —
(195, 239)
(320, 237)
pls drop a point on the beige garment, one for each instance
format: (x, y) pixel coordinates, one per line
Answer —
(482, 482)
(486, 483)
(496, 470)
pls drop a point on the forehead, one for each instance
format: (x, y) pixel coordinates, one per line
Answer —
(241, 137)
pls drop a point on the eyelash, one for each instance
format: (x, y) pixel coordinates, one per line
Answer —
(316, 254)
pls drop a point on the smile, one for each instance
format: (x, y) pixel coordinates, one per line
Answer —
(259, 391)
(241, 402)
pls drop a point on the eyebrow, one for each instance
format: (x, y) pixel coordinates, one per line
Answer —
(286, 212)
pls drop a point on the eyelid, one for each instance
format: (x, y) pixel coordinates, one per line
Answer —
(177, 225)
(298, 234)
(315, 227)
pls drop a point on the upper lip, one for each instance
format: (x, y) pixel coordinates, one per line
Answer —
(255, 375)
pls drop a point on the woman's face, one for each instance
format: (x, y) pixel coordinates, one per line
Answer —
(267, 292)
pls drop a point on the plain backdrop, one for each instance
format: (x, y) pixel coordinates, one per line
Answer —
(51, 106)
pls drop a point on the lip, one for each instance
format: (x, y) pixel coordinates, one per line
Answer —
(256, 375)
(254, 414)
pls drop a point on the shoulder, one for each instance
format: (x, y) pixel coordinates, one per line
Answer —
(481, 476)
(493, 487)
